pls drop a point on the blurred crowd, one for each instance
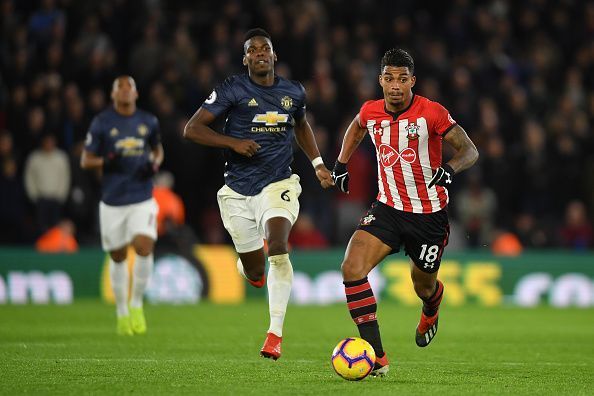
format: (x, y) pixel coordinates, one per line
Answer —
(518, 76)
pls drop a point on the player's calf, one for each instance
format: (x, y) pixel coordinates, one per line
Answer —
(261, 279)
(362, 306)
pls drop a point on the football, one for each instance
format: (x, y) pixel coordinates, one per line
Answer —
(353, 358)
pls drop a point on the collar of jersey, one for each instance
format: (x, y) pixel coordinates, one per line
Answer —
(274, 84)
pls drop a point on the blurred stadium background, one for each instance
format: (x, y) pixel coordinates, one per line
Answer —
(517, 75)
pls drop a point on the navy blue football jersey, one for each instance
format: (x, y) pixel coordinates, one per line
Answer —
(264, 114)
(132, 138)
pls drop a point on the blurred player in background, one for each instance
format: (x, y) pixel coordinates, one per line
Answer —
(260, 196)
(411, 207)
(125, 143)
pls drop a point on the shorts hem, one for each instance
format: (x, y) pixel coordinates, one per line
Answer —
(378, 234)
(426, 270)
(277, 212)
(112, 249)
(249, 247)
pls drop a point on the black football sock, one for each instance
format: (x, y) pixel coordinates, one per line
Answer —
(363, 309)
(431, 305)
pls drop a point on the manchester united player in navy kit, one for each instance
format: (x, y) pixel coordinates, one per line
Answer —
(124, 142)
(260, 196)
(407, 131)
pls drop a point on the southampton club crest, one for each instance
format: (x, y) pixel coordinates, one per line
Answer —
(412, 131)
(367, 219)
(286, 102)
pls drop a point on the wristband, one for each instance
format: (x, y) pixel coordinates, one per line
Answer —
(317, 161)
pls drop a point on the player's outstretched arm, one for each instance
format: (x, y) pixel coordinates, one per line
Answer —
(198, 131)
(465, 156)
(306, 140)
(352, 138)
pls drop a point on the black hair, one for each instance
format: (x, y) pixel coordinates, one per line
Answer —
(399, 58)
(256, 32)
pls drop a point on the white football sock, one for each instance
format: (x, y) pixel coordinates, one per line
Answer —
(143, 267)
(240, 268)
(280, 280)
(118, 273)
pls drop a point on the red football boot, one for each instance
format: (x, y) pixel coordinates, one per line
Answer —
(272, 346)
(427, 329)
(381, 366)
(259, 283)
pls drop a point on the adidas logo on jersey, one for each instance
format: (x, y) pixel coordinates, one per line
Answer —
(252, 102)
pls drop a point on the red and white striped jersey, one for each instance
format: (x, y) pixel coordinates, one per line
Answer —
(408, 147)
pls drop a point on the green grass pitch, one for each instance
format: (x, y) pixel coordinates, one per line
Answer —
(213, 350)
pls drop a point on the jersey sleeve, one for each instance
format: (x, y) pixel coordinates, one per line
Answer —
(94, 138)
(363, 114)
(443, 121)
(221, 98)
(155, 137)
(301, 106)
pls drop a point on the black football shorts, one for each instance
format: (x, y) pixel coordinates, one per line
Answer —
(424, 235)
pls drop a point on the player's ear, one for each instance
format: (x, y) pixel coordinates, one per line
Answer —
(413, 81)
(379, 79)
(244, 61)
(275, 58)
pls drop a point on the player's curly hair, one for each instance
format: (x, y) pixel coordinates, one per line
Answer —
(256, 32)
(399, 58)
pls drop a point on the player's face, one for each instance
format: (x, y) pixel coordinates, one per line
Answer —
(124, 91)
(259, 56)
(397, 83)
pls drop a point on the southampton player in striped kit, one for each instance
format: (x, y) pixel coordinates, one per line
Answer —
(407, 131)
(264, 115)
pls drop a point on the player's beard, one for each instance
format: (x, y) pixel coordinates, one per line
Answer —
(395, 102)
(263, 72)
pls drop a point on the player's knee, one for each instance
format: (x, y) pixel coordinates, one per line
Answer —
(353, 270)
(277, 247)
(143, 246)
(424, 290)
(143, 249)
(119, 255)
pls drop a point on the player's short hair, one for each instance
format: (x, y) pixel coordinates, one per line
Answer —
(126, 76)
(398, 57)
(256, 32)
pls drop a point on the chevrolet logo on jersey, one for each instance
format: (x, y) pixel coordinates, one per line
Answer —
(130, 146)
(271, 118)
